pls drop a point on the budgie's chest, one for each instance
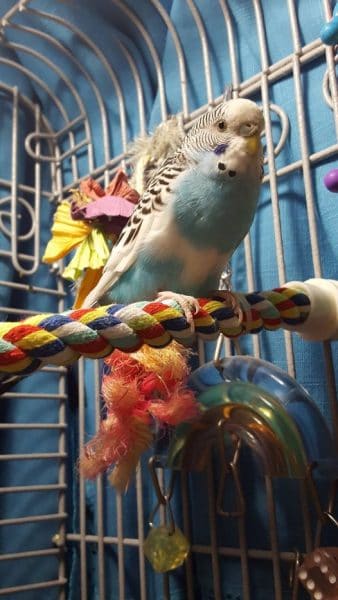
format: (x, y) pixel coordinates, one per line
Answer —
(202, 223)
(214, 212)
(205, 221)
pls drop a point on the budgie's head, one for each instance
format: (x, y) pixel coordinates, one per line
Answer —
(233, 122)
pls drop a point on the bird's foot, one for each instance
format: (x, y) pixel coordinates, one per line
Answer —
(189, 304)
(230, 300)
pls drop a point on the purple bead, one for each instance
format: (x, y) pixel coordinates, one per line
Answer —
(331, 180)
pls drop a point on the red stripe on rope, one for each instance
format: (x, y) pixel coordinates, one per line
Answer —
(12, 356)
(155, 307)
(91, 347)
(151, 332)
(20, 331)
(271, 322)
(285, 305)
(77, 314)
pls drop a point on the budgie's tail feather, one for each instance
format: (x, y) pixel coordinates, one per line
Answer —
(149, 384)
(104, 284)
(84, 286)
(117, 264)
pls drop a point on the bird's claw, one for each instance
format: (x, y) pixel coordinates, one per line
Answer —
(230, 300)
(189, 304)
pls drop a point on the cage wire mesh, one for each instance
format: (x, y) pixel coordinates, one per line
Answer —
(78, 82)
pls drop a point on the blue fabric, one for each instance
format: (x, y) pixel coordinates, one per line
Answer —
(106, 25)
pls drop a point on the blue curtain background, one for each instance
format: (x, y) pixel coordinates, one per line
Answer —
(105, 24)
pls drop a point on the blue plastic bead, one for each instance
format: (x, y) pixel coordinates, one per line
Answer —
(329, 33)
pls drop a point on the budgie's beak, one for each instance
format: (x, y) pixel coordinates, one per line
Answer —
(253, 144)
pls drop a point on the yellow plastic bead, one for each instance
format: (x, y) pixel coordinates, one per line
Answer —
(165, 550)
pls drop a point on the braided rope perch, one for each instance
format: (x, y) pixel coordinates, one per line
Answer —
(60, 339)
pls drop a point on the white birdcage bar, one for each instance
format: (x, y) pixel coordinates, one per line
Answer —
(50, 148)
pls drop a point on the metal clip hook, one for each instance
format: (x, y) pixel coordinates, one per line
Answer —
(163, 496)
(158, 462)
(230, 467)
(324, 516)
(293, 575)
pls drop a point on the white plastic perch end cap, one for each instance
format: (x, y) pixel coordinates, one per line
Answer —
(322, 322)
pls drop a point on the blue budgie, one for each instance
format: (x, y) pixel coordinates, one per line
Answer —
(196, 210)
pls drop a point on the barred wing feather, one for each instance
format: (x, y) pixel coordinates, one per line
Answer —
(146, 218)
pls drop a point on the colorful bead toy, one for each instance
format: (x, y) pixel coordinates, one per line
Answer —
(319, 574)
(331, 179)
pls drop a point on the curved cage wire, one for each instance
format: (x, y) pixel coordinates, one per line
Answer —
(77, 84)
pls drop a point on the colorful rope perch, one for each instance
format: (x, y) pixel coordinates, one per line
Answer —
(310, 308)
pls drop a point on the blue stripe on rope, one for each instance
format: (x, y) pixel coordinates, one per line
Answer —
(48, 349)
(54, 321)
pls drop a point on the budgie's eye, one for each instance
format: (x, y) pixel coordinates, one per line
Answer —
(221, 125)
